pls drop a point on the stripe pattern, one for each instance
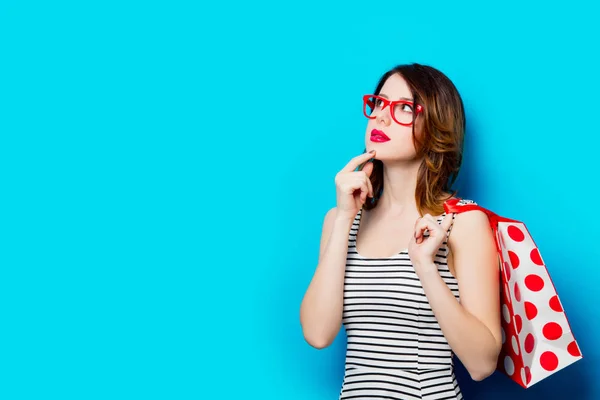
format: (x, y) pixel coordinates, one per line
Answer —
(396, 349)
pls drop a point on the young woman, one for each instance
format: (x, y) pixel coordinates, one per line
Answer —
(409, 294)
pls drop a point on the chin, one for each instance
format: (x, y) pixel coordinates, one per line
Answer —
(389, 155)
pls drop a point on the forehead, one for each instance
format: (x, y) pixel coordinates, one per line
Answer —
(395, 87)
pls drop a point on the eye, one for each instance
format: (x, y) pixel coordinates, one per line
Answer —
(378, 103)
(404, 108)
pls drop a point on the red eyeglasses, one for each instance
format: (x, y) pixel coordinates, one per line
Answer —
(403, 112)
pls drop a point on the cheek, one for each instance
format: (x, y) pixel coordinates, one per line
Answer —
(402, 141)
(401, 133)
(419, 129)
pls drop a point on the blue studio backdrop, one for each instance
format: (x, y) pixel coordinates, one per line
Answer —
(166, 167)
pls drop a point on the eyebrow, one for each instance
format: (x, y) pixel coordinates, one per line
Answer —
(401, 98)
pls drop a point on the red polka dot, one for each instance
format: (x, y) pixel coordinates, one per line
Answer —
(514, 259)
(573, 349)
(555, 304)
(517, 292)
(527, 375)
(549, 361)
(529, 343)
(536, 257)
(515, 233)
(530, 310)
(507, 270)
(552, 331)
(534, 282)
(519, 323)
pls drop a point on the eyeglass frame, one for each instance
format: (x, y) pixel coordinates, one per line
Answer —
(392, 103)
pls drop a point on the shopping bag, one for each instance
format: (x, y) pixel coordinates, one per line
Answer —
(537, 340)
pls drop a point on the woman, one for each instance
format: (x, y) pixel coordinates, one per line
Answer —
(409, 294)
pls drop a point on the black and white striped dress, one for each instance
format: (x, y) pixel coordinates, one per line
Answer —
(396, 349)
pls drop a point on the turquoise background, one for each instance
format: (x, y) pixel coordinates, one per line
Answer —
(165, 168)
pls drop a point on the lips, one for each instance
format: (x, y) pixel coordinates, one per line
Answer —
(378, 136)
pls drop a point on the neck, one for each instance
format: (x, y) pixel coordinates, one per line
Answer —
(399, 187)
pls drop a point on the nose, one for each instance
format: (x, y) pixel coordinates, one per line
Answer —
(383, 117)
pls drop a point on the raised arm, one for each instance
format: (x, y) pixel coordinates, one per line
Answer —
(323, 303)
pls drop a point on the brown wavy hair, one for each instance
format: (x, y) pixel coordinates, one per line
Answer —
(441, 140)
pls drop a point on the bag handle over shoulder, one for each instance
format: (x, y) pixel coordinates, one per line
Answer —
(457, 205)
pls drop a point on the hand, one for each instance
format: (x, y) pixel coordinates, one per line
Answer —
(422, 250)
(353, 187)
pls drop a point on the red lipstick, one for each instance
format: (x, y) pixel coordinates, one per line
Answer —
(378, 136)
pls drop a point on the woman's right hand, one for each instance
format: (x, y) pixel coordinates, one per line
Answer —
(352, 187)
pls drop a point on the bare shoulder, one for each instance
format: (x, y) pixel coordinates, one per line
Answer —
(470, 228)
(473, 248)
(470, 223)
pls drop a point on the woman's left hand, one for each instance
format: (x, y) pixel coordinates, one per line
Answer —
(422, 249)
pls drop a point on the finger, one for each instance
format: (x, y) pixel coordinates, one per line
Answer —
(359, 179)
(422, 221)
(371, 192)
(356, 161)
(433, 222)
(365, 177)
(420, 226)
(447, 222)
(355, 183)
(364, 190)
(424, 224)
(368, 168)
(429, 217)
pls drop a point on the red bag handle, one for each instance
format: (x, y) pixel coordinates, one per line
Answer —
(452, 206)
